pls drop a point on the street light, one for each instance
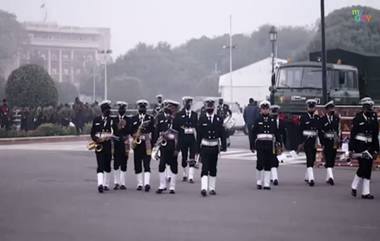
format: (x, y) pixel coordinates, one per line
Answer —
(323, 54)
(105, 52)
(273, 39)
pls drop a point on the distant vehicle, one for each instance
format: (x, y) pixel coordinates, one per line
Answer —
(237, 116)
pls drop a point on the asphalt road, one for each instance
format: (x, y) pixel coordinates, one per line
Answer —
(48, 192)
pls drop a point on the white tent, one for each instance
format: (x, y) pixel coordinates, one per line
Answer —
(253, 81)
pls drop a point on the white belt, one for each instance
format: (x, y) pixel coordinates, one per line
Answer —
(170, 136)
(361, 137)
(309, 133)
(189, 131)
(205, 142)
(330, 135)
(265, 137)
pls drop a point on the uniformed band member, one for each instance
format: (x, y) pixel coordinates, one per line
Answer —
(309, 128)
(166, 136)
(121, 129)
(159, 105)
(264, 136)
(330, 138)
(187, 121)
(142, 132)
(224, 112)
(279, 143)
(101, 134)
(210, 130)
(364, 137)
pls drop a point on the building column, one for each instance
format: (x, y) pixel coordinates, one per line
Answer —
(60, 65)
(49, 61)
(72, 66)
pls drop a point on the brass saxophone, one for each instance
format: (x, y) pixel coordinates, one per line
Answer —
(137, 136)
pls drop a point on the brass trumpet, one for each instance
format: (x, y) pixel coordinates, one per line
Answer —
(94, 146)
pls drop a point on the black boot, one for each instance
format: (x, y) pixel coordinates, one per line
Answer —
(116, 187)
(159, 191)
(311, 183)
(368, 196)
(172, 191)
(212, 192)
(266, 188)
(330, 181)
(100, 188)
(191, 180)
(184, 179)
(275, 182)
(139, 188)
(353, 192)
(105, 188)
(122, 187)
(147, 188)
(259, 187)
(204, 193)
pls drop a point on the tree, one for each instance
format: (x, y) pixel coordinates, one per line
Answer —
(2, 87)
(342, 31)
(31, 85)
(12, 35)
(66, 92)
(125, 88)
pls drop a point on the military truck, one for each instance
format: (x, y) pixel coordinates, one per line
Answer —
(297, 82)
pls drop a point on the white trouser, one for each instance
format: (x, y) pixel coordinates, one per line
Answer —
(355, 182)
(107, 177)
(172, 181)
(329, 173)
(310, 174)
(191, 173)
(274, 173)
(184, 173)
(212, 183)
(147, 178)
(365, 190)
(100, 178)
(123, 176)
(162, 180)
(116, 176)
(204, 183)
(266, 178)
(259, 177)
(139, 178)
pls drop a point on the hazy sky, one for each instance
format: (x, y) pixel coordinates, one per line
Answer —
(174, 21)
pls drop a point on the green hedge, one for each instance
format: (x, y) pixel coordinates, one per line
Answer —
(43, 130)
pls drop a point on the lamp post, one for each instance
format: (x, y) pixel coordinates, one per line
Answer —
(273, 39)
(105, 52)
(230, 46)
(323, 53)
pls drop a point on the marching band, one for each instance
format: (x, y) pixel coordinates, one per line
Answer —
(171, 131)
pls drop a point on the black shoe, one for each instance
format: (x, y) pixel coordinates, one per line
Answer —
(275, 182)
(100, 188)
(139, 188)
(191, 180)
(271, 181)
(266, 188)
(172, 192)
(116, 187)
(368, 196)
(353, 192)
(147, 188)
(259, 187)
(330, 181)
(307, 181)
(159, 191)
(184, 179)
(122, 187)
(204, 193)
(212, 192)
(311, 183)
(105, 188)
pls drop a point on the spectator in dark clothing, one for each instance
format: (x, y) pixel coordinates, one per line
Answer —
(4, 115)
(78, 115)
(251, 113)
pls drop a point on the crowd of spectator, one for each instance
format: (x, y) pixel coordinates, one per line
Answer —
(29, 118)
